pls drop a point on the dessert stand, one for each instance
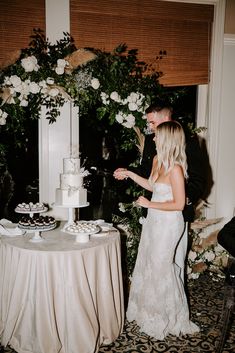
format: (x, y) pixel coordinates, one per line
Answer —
(37, 230)
(80, 237)
(83, 237)
(71, 209)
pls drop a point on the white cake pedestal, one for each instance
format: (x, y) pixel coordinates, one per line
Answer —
(71, 212)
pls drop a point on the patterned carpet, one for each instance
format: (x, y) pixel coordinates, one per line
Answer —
(206, 297)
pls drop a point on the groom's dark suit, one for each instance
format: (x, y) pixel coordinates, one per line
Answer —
(196, 181)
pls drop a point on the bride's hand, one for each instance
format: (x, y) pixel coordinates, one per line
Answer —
(120, 174)
(142, 201)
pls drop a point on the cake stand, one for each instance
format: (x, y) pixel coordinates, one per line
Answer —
(70, 212)
(37, 231)
(85, 236)
(31, 213)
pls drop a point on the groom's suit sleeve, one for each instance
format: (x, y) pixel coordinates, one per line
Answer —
(196, 181)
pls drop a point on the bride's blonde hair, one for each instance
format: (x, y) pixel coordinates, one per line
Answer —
(170, 145)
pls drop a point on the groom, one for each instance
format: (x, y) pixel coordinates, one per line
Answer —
(196, 181)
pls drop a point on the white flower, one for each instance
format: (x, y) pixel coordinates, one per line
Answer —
(194, 275)
(15, 80)
(192, 255)
(115, 97)
(133, 97)
(30, 64)
(24, 89)
(59, 70)
(121, 207)
(209, 255)
(142, 220)
(61, 63)
(42, 84)
(2, 121)
(34, 87)
(119, 118)
(132, 106)
(49, 81)
(53, 92)
(95, 83)
(130, 121)
(105, 98)
(3, 116)
(24, 103)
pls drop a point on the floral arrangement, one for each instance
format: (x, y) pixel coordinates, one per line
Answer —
(205, 253)
(114, 85)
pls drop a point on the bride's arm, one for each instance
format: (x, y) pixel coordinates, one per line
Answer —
(139, 180)
(178, 191)
(143, 181)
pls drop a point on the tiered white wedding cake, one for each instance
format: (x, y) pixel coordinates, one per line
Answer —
(71, 192)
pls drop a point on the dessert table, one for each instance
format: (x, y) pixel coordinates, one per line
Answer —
(58, 295)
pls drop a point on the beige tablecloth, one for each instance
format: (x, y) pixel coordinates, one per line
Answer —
(60, 296)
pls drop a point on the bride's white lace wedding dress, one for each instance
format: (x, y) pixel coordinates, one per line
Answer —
(157, 300)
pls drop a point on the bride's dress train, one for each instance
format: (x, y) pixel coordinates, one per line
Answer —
(157, 300)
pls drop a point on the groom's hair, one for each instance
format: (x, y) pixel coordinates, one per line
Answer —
(162, 109)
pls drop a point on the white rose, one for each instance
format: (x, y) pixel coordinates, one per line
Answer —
(194, 275)
(59, 70)
(142, 220)
(53, 92)
(121, 207)
(24, 103)
(115, 96)
(30, 64)
(15, 80)
(50, 81)
(18, 89)
(104, 97)
(119, 118)
(192, 255)
(133, 97)
(7, 81)
(44, 90)
(3, 116)
(61, 63)
(2, 121)
(130, 121)
(42, 84)
(209, 255)
(24, 89)
(34, 87)
(132, 106)
(95, 83)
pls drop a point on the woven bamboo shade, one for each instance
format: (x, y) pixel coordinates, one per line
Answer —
(181, 31)
(17, 20)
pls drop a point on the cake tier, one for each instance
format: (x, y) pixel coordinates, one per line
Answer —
(71, 198)
(70, 181)
(71, 165)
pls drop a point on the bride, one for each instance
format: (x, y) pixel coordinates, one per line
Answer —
(157, 301)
